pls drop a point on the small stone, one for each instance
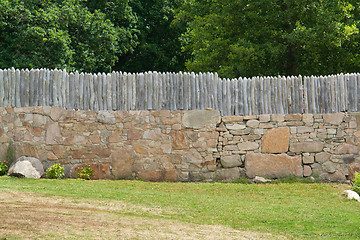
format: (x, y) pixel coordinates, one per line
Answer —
(235, 126)
(252, 123)
(293, 117)
(306, 147)
(308, 159)
(331, 131)
(307, 171)
(322, 157)
(230, 119)
(248, 146)
(258, 179)
(308, 118)
(303, 129)
(329, 167)
(349, 194)
(106, 117)
(264, 118)
(134, 134)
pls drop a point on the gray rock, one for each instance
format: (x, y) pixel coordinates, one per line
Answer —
(229, 174)
(27, 167)
(349, 194)
(106, 117)
(231, 161)
(329, 166)
(258, 179)
(201, 119)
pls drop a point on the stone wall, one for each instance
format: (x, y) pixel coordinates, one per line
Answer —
(197, 145)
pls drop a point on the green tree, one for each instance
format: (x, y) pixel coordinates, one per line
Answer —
(59, 34)
(246, 38)
(159, 45)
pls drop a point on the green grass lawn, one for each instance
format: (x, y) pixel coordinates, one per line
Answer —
(296, 210)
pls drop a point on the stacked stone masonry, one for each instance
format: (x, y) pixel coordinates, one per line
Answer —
(197, 145)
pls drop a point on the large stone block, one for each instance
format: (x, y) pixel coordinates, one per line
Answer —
(178, 140)
(201, 119)
(53, 134)
(276, 140)
(122, 163)
(169, 175)
(231, 161)
(229, 174)
(346, 148)
(306, 147)
(272, 165)
(333, 118)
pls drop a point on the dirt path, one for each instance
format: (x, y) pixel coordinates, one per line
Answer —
(34, 216)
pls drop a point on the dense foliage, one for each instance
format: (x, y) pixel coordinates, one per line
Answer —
(232, 37)
(243, 37)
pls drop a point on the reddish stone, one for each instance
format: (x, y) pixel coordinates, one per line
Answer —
(272, 165)
(134, 134)
(115, 138)
(77, 155)
(122, 163)
(95, 139)
(276, 140)
(178, 140)
(51, 156)
(36, 131)
(60, 151)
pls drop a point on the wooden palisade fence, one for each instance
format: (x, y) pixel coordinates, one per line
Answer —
(175, 91)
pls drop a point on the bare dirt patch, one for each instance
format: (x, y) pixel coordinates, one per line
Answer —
(35, 216)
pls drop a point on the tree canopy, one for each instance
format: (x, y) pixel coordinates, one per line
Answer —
(260, 37)
(232, 37)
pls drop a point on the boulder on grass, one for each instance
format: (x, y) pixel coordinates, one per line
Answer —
(27, 167)
(349, 194)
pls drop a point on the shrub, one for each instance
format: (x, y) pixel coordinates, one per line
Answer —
(85, 172)
(4, 167)
(10, 154)
(55, 171)
(356, 183)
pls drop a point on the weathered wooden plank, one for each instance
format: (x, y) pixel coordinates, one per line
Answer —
(2, 92)
(17, 88)
(245, 96)
(21, 89)
(241, 97)
(215, 93)
(108, 92)
(71, 93)
(358, 91)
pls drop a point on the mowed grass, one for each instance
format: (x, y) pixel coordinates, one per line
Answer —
(295, 210)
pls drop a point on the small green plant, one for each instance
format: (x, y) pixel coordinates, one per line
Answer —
(85, 172)
(55, 171)
(356, 183)
(4, 167)
(10, 154)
